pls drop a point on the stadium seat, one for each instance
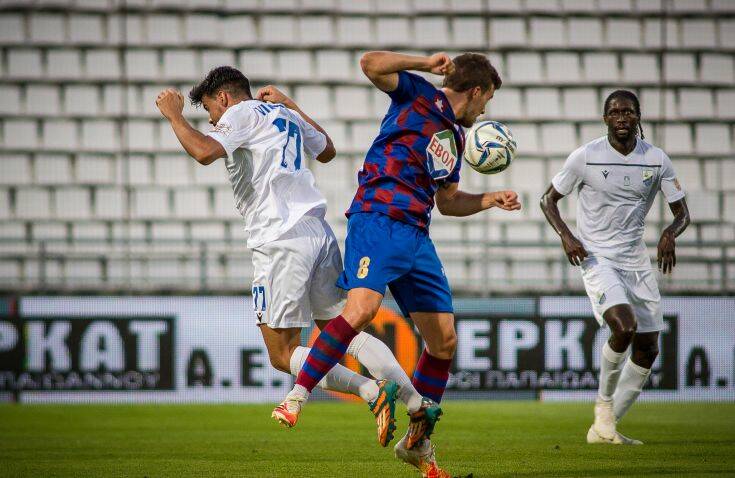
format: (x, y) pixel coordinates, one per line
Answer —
(641, 69)
(202, 29)
(52, 169)
(10, 104)
(600, 67)
(86, 29)
(277, 30)
(558, 139)
(547, 32)
(206, 231)
(238, 31)
(47, 230)
(528, 175)
(363, 134)
(140, 135)
(526, 135)
(615, 6)
(126, 29)
(33, 203)
(717, 69)
(81, 100)
(64, 64)
(214, 174)
(675, 138)
(658, 104)
(562, 68)
(729, 207)
(295, 65)
(316, 31)
(5, 212)
(180, 65)
(654, 29)
(524, 67)
(110, 203)
(335, 65)
(20, 134)
(704, 205)
(727, 33)
(150, 203)
(161, 231)
(89, 231)
(679, 68)
(623, 33)
(164, 30)
(431, 32)
(11, 29)
(354, 31)
(42, 100)
(260, 65)
(101, 64)
(16, 169)
(580, 104)
(142, 65)
(695, 103)
(316, 101)
(697, 33)
(393, 32)
(73, 203)
(725, 104)
(543, 103)
(224, 203)
(60, 135)
(713, 139)
(506, 105)
(47, 29)
(468, 32)
(352, 102)
(506, 32)
(24, 63)
(192, 203)
(584, 33)
(172, 169)
(689, 173)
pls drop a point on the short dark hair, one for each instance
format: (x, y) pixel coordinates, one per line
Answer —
(471, 70)
(220, 78)
(627, 95)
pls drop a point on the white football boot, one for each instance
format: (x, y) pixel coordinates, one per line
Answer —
(420, 456)
(620, 439)
(604, 425)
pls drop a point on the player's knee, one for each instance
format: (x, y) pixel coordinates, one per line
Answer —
(281, 362)
(446, 348)
(624, 331)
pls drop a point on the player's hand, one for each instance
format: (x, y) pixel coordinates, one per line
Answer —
(441, 64)
(271, 94)
(666, 252)
(574, 249)
(170, 102)
(507, 200)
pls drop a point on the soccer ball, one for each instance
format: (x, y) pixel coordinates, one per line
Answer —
(490, 147)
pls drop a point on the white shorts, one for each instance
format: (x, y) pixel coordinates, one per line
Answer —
(608, 286)
(295, 276)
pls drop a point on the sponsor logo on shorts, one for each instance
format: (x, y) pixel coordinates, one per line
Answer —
(601, 300)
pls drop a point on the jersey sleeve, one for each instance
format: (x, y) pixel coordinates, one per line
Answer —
(235, 129)
(314, 140)
(407, 89)
(571, 173)
(669, 183)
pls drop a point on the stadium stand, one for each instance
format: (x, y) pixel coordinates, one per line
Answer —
(95, 193)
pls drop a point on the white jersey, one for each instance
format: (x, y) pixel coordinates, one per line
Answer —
(615, 194)
(267, 147)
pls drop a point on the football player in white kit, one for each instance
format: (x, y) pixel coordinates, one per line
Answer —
(617, 178)
(266, 143)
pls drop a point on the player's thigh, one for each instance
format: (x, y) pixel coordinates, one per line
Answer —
(437, 330)
(604, 288)
(425, 287)
(327, 300)
(282, 271)
(645, 300)
(378, 250)
(280, 344)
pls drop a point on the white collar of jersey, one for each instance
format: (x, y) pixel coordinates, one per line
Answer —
(626, 158)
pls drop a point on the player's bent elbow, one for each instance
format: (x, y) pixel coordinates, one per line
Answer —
(366, 62)
(327, 155)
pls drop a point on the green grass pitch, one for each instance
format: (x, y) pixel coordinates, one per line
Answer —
(338, 439)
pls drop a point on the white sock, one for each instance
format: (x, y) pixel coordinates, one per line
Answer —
(631, 383)
(339, 378)
(610, 366)
(380, 362)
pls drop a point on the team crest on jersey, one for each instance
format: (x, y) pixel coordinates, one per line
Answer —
(222, 128)
(442, 154)
(647, 176)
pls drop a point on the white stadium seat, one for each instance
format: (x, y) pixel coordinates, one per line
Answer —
(543, 103)
(73, 203)
(698, 33)
(102, 64)
(20, 134)
(558, 139)
(584, 32)
(676, 139)
(713, 139)
(203, 231)
(180, 65)
(81, 100)
(202, 29)
(507, 104)
(85, 29)
(42, 100)
(110, 203)
(142, 64)
(16, 169)
(689, 173)
(47, 29)
(257, 64)
(717, 69)
(24, 63)
(623, 33)
(580, 104)
(641, 68)
(168, 230)
(679, 68)
(150, 203)
(295, 65)
(33, 203)
(316, 31)
(563, 68)
(468, 32)
(64, 64)
(52, 169)
(172, 169)
(352, 102)
(526, 135)
(656, 104)
(214, 174)
(10, 103)
(60, 135)
(600, 68)
(657, 33)
(12, 29)
(238, 30)
(725, 104)
(277, 30)
(547, 32)
(431, 32)
(46, 230)
(4, 205)
(94, 170)
(354, 31)
(506, 6)
(689, 6)
(695, 103)
(224, 203)
(615, 6)
(507, 32)
(334, 65)
(164, 30)
(524, 67)
(315, 100)
(393, 32)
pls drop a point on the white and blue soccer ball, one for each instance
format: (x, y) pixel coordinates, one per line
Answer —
(489, 147)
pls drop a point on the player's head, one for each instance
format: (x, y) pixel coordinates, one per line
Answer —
(223, 87)
(622, 115)
(476, 79)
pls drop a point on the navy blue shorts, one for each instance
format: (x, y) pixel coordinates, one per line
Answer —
(380, 252)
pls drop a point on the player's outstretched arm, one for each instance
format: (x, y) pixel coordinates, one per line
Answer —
(382, 67)
(204, 149)
(271, 94)
(572, 246)
(452, 202)
(667, 244)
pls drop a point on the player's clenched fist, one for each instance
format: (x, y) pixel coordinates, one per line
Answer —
(441, 64)
(507, 200)
(271, 94)
(170, 102)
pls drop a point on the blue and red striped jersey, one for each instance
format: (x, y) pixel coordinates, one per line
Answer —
(419, 147)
